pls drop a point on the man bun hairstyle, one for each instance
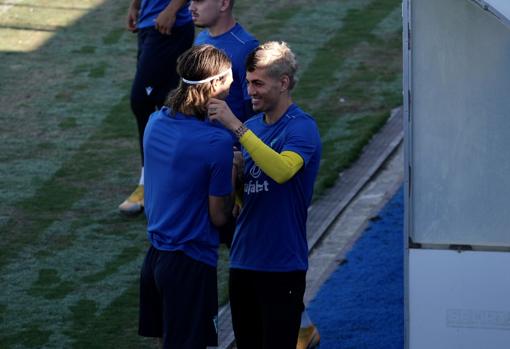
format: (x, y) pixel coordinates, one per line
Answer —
(198, 63)
(276, 58)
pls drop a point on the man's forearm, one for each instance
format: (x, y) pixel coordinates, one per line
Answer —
(279, 166)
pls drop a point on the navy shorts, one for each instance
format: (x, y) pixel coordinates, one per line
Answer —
(178, 300)
(266, 308)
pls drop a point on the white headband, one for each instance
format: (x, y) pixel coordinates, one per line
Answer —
(191, 82)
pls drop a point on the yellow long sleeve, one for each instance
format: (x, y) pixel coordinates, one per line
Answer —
(279, 166)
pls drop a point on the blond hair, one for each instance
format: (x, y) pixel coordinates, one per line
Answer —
(276, 58)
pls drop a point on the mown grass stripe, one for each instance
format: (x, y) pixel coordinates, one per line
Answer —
(348, 128)
(306, 26)
(56, 196)
(50, 307)
(335, 39)
(275, 20)
(358, 26)
(323, 100)
(52, 231)
(58, 107)
(92, 329)
(89, 326)
(127, 255)
(253, 13)
(31, 337)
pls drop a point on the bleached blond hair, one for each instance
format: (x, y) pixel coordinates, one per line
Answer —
(276, 58)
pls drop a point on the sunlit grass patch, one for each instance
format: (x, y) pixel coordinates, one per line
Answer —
(27, 25)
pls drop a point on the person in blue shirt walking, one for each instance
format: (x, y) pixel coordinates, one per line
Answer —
(269, 256)
(189, 179)
(222, 31)
(165, 30)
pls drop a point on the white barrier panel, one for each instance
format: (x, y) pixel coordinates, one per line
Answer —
(460, 124)
(459, 300)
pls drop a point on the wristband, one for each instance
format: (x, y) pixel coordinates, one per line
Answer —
(240, 131)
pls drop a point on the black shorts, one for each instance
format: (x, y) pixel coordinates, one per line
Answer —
(266, 308)
(178, 300)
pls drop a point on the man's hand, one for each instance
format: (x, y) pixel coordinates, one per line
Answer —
(218, 110)
(165, 21)
(132, 16)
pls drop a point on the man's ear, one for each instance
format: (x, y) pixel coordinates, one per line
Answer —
(284, 83)
(225, 5)
(217, 84)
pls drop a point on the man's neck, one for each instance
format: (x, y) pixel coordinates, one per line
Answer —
(276, 113)
(223, 25)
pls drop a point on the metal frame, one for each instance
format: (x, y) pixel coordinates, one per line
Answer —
(407, 95)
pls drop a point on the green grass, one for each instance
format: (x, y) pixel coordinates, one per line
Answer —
(69, 153)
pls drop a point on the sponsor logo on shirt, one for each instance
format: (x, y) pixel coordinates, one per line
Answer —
(255, 186)
(255, 172)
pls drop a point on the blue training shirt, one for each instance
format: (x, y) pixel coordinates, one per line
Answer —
(186, 160)
(150, 9)
(237, 43)
(271, 229)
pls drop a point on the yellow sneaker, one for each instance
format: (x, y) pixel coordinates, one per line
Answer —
(133, 205)
(309, 338)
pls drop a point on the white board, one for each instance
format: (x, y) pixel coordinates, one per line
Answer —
(460, 125)
(459, 300)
